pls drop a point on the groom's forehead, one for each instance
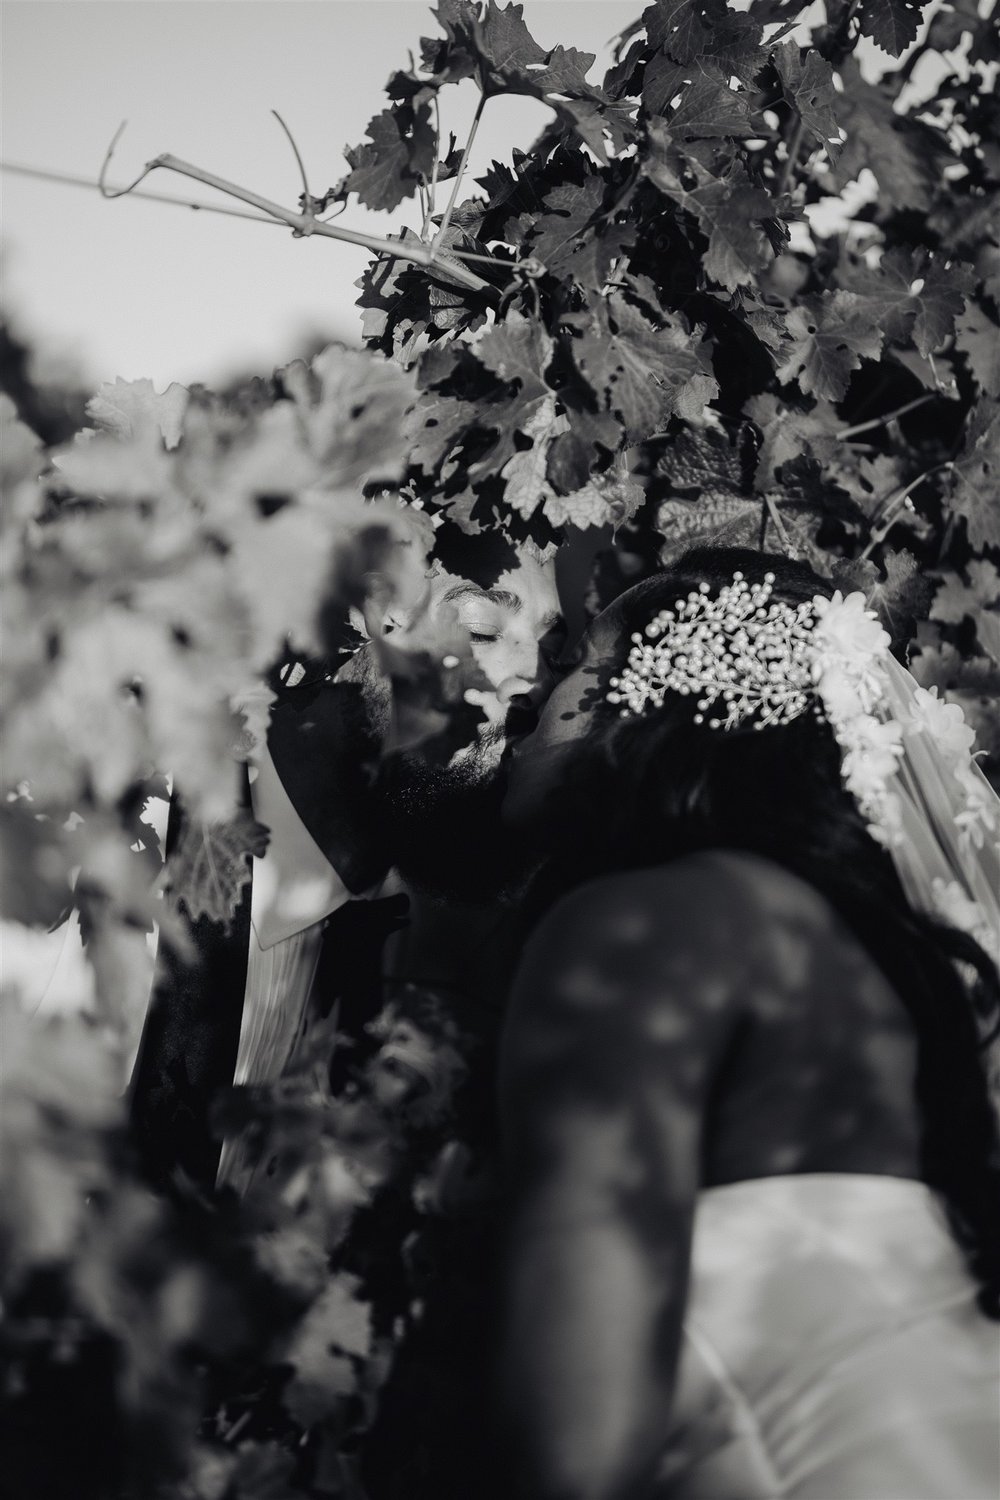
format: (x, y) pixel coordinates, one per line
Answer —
(525, 584)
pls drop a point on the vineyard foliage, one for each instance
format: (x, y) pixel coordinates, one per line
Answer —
(741, 290)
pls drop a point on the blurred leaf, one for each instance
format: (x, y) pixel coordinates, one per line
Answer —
(21, 463)
(330, 1342)
(901, 597)
(134, 409)
(974, 492)
(978, 337)
(957, 599)
(265, 1471)
(211, 864)
(904, 154)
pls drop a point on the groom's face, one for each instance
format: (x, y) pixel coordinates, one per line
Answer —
(444, 820)
(516, 633)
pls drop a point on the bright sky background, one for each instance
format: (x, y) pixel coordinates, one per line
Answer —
(134, 289)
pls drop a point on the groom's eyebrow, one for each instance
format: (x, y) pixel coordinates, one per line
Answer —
(503, 599)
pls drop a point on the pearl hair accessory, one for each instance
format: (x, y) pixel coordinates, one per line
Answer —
(740, 646)
(771, 662)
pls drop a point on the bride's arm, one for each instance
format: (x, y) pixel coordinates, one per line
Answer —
(620, 1013)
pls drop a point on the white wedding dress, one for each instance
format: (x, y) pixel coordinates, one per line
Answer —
(833, 1350)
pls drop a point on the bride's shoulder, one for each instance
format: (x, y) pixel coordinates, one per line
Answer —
(698, 894)
(714, 916)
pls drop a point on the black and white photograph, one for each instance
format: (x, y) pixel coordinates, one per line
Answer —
(500, 750)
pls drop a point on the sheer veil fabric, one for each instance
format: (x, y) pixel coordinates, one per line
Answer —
(946, 864)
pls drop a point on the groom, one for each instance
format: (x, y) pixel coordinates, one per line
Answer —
(309, 934)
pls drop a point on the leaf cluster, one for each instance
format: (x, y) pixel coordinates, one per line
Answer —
(237, 1347)
(739, 240)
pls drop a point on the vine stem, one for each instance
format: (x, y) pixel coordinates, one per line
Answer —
(794, 145)
(894, 505)
(432, 185)
(869, 426)
(305, 223)
(295, 152)
(772, 511)
(67, 179)
(445, 222)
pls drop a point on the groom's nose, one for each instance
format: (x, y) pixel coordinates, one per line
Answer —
(530, 683)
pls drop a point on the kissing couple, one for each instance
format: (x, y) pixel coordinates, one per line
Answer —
(741, 886)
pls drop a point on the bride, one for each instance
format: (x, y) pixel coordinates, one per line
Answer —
(755, 1235)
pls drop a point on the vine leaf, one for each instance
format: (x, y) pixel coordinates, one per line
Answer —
(911, 294)
(399, 152)
(730, 211)
(503, 45)
(400, 302)
(525, 474)
(724, 519)
(435, 426)
(640, 372)
(611, 499)
(562, 84)
(704, 462)
(518, 352)
(807, 84)
(891, 24)
(974, 476)
(788, 432)
(731, 520)
(708, 108)
(829, 336)
(497, 49)
(569, 239)
(682, 28)
(211, 865)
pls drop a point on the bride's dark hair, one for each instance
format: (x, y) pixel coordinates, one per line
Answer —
(639, 791)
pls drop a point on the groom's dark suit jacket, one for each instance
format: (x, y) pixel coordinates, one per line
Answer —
(320, 744)
(431, 1436)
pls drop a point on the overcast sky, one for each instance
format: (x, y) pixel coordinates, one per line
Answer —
(133, 289)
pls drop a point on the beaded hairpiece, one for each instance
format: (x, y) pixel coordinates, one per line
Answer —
(742, 647)
(771, 662)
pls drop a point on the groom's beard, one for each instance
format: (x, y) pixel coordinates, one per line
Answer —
(444, 826)
(441, 823)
